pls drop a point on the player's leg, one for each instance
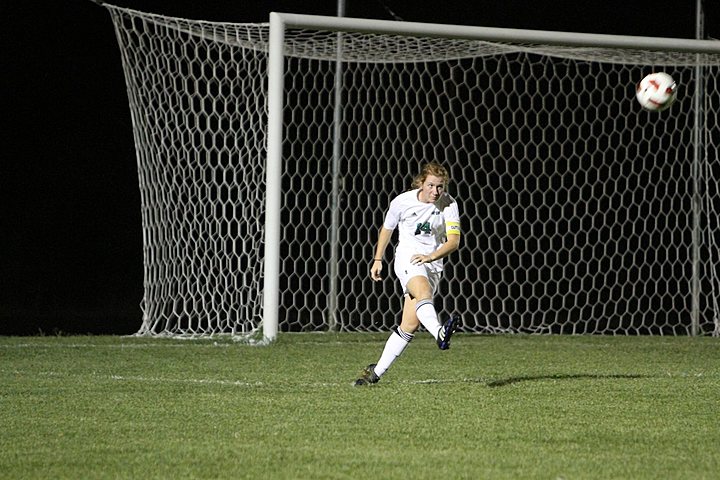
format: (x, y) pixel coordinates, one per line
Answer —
(417, 308)
(422, 288)
(409, 322)
(399, 339)
(419, 286)
(421, 291)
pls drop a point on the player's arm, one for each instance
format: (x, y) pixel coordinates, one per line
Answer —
(377, 265)
(452, 244)
(452, 231)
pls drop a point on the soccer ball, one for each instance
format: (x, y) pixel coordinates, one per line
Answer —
(656, 92)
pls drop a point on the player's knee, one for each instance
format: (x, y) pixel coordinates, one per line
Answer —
(424, 299)
(409, 326)
(420, 289)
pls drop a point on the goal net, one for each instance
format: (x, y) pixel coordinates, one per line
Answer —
(582, 213)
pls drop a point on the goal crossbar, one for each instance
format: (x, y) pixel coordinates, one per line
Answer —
(493, 34)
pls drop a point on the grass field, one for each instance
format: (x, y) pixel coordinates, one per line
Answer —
(545, 407)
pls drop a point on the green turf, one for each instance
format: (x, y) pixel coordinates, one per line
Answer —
(544, 407)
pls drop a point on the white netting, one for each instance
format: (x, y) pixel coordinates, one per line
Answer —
(578, 206)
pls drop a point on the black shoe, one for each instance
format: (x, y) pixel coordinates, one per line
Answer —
(367, 377)
(447, 330)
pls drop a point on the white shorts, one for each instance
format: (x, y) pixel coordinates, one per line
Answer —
(406, 270)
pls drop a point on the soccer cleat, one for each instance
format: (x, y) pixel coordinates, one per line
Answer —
(447, 330)
(367, 377)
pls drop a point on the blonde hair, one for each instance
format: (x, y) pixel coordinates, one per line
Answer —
(431, 168)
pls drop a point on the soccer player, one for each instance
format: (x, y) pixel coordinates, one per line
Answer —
(428, 223)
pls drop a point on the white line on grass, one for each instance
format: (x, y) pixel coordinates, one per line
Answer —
(223, 382)
(489, 382)
(125, 378)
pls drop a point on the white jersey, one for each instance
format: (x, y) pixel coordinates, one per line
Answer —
(422, 227)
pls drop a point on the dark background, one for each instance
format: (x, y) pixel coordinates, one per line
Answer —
(71, 257)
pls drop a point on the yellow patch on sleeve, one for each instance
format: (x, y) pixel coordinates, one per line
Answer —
(452, 228)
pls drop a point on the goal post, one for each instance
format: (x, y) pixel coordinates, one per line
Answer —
(273, 178)
(265, 170)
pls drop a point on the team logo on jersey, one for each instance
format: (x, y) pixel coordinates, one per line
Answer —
(423, 227)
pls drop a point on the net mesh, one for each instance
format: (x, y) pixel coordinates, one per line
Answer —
(582, 213)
